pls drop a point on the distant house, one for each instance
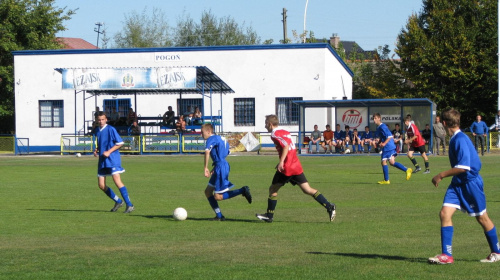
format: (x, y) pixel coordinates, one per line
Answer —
(75, 44)
(349, 47)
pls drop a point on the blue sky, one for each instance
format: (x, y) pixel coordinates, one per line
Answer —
(371, 23)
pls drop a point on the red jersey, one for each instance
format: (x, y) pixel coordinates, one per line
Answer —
(282, 138)
(411, 131)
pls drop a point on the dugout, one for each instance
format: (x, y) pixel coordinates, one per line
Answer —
(357, 113)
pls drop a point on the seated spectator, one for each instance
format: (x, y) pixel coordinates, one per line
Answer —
(197, 116)
(114, 117)
(338, 139)
(356, 142)
(328, 141)
(346, 138)
(315, 139)
(131, 117)
(180, 125)
(169, 117)
(426, 134)
(367, 139)
(188, 115)
(398, 139)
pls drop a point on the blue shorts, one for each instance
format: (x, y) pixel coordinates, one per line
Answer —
(469, 197)
(109, 171)
(386, 155)
(220, 178)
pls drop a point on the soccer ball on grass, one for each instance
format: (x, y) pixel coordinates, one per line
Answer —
(347, 151)
(180, 214)
(78, 155)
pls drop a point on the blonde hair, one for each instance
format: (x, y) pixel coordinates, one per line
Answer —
(273, 120)
(208, 127)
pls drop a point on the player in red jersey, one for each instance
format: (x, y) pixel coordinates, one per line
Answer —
(417, 143)
(290, 170)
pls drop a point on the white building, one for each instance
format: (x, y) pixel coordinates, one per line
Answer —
(56, 91)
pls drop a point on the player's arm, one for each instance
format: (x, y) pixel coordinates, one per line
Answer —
(450, 172)
(114, 148)
(284, 153)
(207, 158)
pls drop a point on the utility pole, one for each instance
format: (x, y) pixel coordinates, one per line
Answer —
(285, 39)
(98, 30)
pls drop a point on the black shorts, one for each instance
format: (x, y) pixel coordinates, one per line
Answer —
(420, 149)
(282, 179)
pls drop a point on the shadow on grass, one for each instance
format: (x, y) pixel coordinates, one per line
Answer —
(372, 256)
(67, 210)
(196, 219)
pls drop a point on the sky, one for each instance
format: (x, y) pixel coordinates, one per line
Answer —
(371, 23)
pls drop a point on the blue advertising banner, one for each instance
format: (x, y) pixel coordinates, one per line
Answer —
(129, 78)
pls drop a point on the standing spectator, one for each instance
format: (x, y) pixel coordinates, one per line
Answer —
(108, 144)
(426, 134)
(398, 140)
(315, 139)
(497, 127)
(388, 153)
(465, 192)
(219, 187)
(479, 130)
(328, 140)
(367, 138)
(439, 135)
(169, 117)
(416, 143)
(131, 117)
(290, 170)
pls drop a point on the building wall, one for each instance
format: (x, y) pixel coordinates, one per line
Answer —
(313, 73)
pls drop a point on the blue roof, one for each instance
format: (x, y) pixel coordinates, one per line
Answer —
(186, 49)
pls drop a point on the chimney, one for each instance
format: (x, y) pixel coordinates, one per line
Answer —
(335, 40)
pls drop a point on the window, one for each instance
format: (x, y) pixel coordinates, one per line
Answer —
(287, 111)
(182, 105)
(244, 111)
(121, 106)
(51, 113)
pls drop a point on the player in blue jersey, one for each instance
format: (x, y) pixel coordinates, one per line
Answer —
(465, 191)
(219, 186)
(108, 143)
(386, 143)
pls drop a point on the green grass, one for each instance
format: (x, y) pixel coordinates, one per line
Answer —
(55, 224)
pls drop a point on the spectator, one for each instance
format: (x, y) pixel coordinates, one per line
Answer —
(479, 130)
(114, 117)
(346, 138)
(367, 138)
(337, 135)
(135, 129)
(315, 139)
(131, 117)
(426, 134)
(328, 140)
(398, 140)
(169, 117)
(180, 125)
(188, 115)
(356, 141)
(197, 116)
(497, 127)
(439, 135)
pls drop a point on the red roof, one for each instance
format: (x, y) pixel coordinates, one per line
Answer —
(75, 43)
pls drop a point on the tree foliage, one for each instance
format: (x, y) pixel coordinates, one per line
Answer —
(449, 52)
(142, 30)
(24, 25)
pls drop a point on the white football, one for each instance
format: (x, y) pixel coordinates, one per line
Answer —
(78, 155)
(180, 214)
(347, 151)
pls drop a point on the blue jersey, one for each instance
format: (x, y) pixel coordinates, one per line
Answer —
(367, 135)
(107, 137)
(463, 155)
(218, 147)
(384, 133)
(338, 134)
(479, 128)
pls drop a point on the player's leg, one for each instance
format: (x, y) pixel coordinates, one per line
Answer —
(124, 192)
(426, 159)
(446, 256)
(413, 160)
(490, 232)
(101, 181)
(319, 197)
(279, 180)
(211, 197)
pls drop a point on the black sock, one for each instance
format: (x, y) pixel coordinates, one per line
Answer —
(271, 205)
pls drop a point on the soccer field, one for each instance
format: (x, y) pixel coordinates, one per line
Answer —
(55, 222)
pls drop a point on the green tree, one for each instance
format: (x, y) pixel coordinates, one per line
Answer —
(449, 52)
(24, 25)
(142, 30)
(213, 31)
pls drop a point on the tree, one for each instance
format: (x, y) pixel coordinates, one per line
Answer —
(141, 30)
(449, 52)
(212, 31)
(24, 25)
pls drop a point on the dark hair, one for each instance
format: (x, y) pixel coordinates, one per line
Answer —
(451, 117)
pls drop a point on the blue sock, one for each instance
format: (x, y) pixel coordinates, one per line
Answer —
(231, 194)
(112, 195)
(124, 192)
(400, 166)
(215, 206)
(492, 238)
(446, 238)
(385, 168)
